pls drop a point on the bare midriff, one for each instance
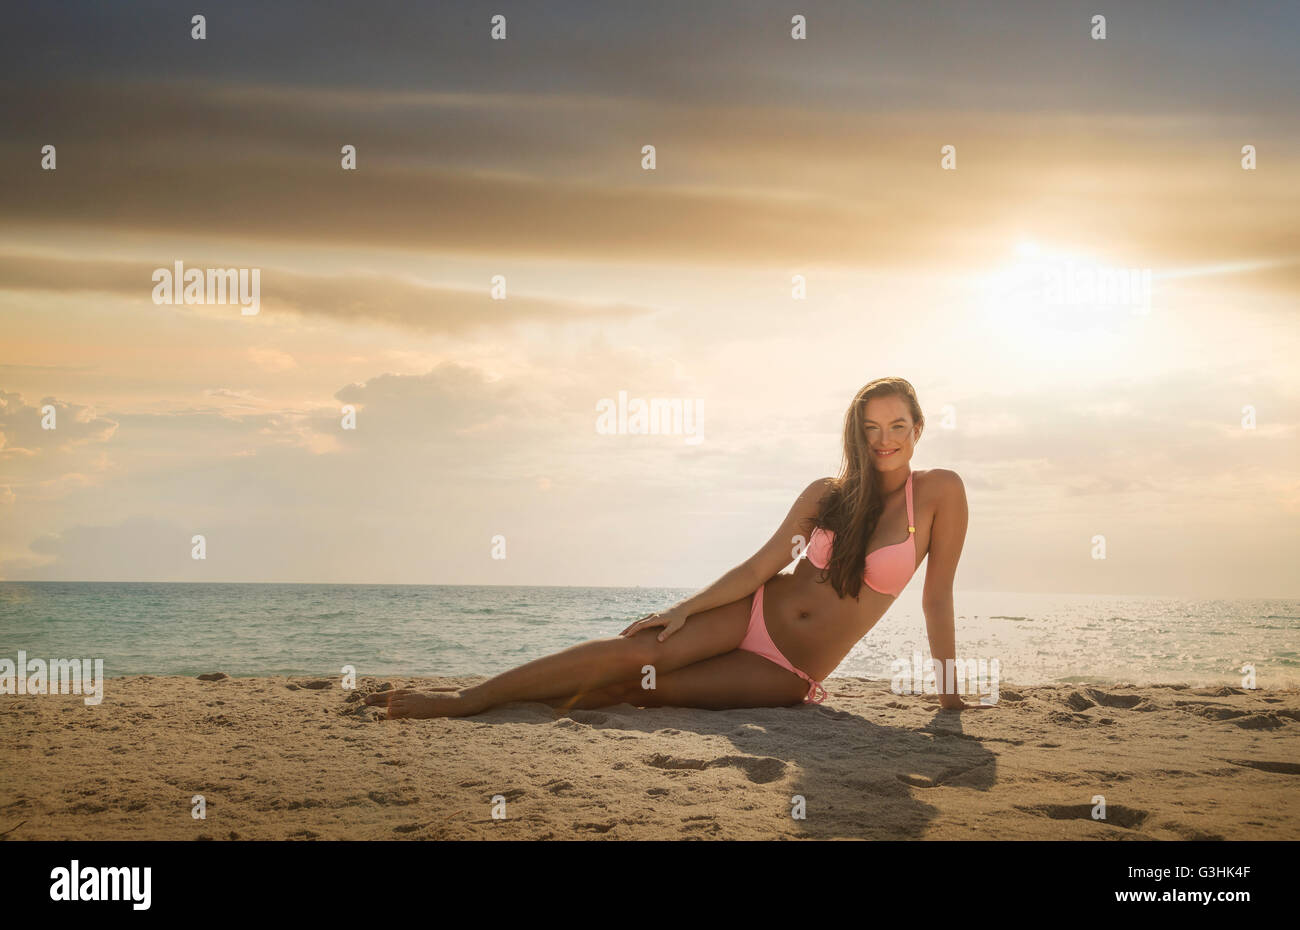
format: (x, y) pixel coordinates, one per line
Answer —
(812, 625)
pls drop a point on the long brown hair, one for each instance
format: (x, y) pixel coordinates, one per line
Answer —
(852, 506)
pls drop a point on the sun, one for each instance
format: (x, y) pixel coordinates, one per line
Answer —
(1064, 307)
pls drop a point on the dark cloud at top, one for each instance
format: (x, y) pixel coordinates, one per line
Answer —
(1022, 54)
(564, 182)
(770, 150)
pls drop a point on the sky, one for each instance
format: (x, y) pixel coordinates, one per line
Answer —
(1162, 417)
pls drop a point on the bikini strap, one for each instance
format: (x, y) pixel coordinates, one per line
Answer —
(911, 520)
(816, 693)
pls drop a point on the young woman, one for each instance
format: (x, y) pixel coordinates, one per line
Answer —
(757, 637)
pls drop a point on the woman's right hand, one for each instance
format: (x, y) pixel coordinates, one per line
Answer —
(671, 620)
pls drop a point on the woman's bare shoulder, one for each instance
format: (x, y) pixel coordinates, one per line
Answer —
(810, 498)
(940, 483)
(939, 476)
(816, 489)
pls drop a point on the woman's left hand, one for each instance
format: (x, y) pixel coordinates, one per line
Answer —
(671, 620)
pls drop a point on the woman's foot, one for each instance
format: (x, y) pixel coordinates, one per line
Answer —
(407, 702)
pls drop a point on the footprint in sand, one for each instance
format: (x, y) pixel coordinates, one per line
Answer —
(1279, 768)
(1092, 697)
(1214, 711)
(946, 777)
(1186, 831)
(758, 769)
(1117, 815)
(1076, 701)
(1268, 721)
(1122, 701)
(1247, 720)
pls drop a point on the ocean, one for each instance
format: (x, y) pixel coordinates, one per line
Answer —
(316, 629)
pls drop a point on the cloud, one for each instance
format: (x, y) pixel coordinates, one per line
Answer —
(781, 183)
(1173, 439)
(71, 425)
(138, 549)
(442, 461)
(346, 298)
(1160, 57)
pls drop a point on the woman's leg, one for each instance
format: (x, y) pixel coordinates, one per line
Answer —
(619, 693)
(735, 679)
(583, 668)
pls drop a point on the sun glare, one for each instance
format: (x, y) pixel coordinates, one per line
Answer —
(1062, 306)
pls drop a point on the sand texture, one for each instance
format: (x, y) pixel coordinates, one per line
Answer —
(279, 758)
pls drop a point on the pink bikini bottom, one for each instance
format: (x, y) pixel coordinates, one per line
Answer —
(756, 640)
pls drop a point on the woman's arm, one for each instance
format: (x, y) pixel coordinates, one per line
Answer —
(778, 552)
(947, 536)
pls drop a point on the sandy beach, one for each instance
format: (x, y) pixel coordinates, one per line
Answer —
(280, 758)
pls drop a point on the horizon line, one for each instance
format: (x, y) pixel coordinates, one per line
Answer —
(436, 584)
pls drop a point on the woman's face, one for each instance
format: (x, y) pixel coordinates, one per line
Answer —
(891, 435)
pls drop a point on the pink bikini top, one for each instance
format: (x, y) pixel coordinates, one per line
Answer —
(889, 569)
